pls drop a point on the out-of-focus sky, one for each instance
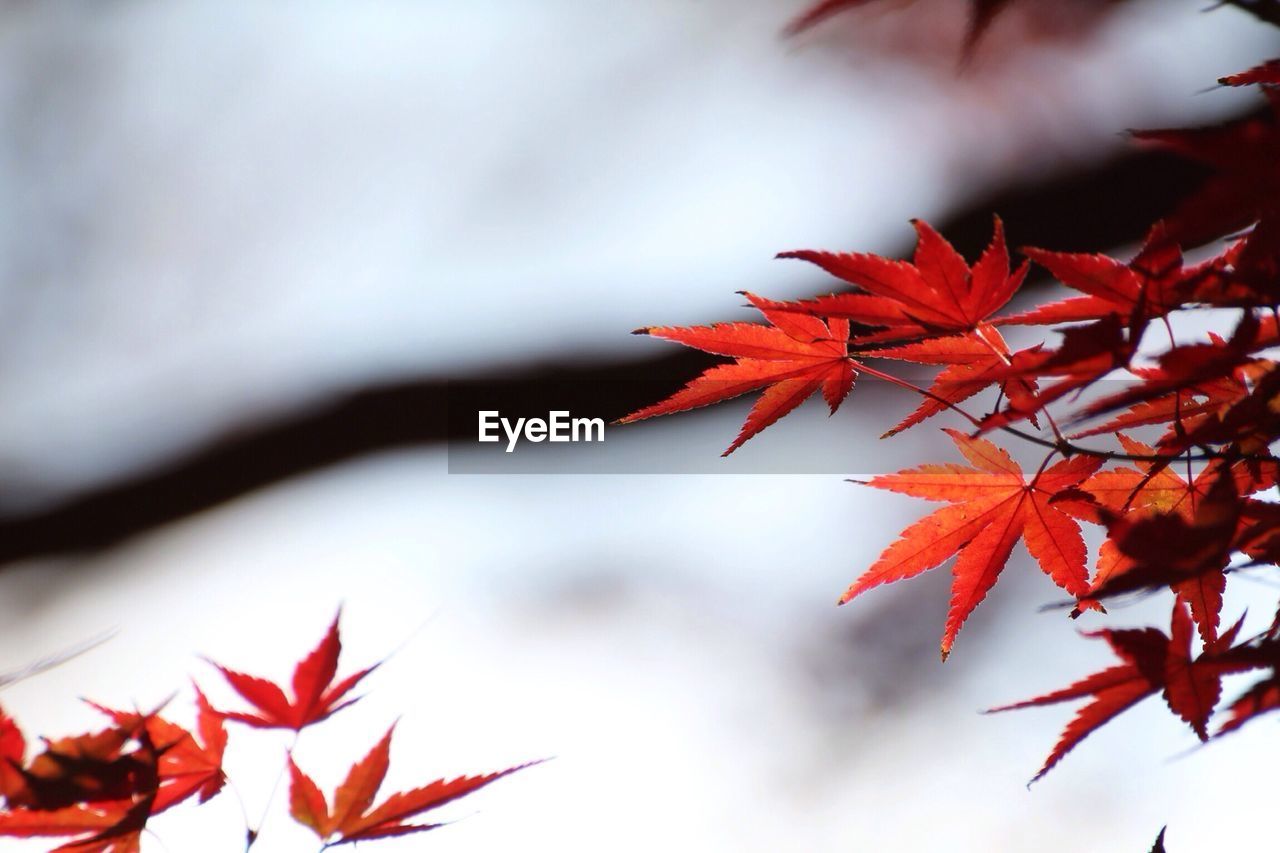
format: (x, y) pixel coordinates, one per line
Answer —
(218, 212)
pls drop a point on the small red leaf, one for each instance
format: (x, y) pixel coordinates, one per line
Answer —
(315, 697)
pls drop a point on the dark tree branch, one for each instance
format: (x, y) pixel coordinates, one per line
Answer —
(1108, 205)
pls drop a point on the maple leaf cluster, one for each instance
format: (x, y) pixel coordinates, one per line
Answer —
(1173, 469)
(100, 789)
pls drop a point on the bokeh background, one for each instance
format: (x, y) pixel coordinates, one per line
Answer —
(248, 249)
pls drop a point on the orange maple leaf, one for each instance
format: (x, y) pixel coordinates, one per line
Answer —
(793, 357)
(185, 767)
(993, 507)
(352, 818)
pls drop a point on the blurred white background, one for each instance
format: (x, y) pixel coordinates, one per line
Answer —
(218, 212)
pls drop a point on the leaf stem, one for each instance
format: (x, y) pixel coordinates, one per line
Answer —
(1062, 444)
(255, 834)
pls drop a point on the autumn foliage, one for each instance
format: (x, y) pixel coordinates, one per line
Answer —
(1171, 465)
(99, 790)
(1171, 468)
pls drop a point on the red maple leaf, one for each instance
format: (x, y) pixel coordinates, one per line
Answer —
(352, 816)
(1191, 366)
(1152, 663)
(1263, 697)
(1255, 276)
(106, 766)
(194, 766)
(1151, 285)
(993, 506)
(1166, 530)
(806, 347)
(1245, 155)
(1245, 274)
(315, 696)
(1250, 423)
(1182, 409)
(90, 821)
(937, 293)
(99, 785)
(792, 358)
(186, 766)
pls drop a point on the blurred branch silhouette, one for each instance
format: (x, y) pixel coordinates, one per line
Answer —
(1107, 205)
